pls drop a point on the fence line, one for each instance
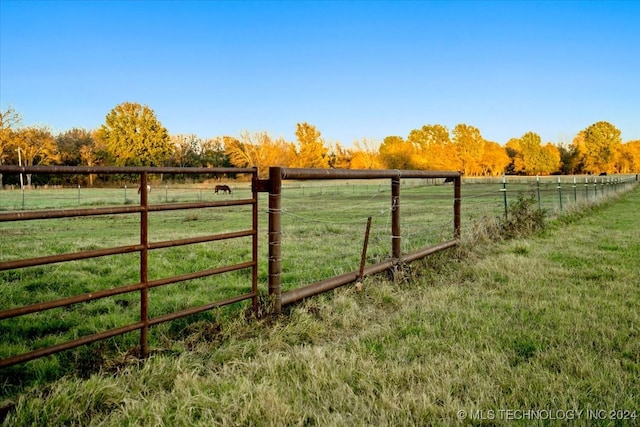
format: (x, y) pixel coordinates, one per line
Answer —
(143, 248)
(548, 192)
(277, 175)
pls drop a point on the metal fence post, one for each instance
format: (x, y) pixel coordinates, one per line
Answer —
(275, 237)
(538, 189)
(586, 188)
(395, 218)
(504, 194)
(144, 260)
(560, 193)
(254, 239)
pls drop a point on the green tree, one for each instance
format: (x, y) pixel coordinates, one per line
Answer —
(601, 143)
(212, 152)
(70, 145)
(133, 136)
(569, 159)
(311, 152)
(530, 157)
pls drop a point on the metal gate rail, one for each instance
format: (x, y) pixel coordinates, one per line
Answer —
(277, 175)
(142, 248)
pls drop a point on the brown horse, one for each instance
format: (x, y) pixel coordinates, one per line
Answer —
(223, 188)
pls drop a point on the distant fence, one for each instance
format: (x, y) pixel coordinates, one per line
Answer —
(551, 193)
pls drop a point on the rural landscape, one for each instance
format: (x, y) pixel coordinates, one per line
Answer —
(132, 135)
(503, 300)
(319, 213)
(439, 321)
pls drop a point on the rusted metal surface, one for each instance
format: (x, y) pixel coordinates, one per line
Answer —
(144, 268)
(74, 256)
(312, 174)
(299, 294)
(365, 244)
(254, 243)
(143, 248)
(395, 218)
(275, 237)
(276, 175)
(274, 187)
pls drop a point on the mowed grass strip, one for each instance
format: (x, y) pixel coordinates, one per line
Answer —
(546, 323)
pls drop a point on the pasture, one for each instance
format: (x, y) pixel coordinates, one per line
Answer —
(323, 228)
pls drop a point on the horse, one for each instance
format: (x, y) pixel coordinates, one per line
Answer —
(223, 188)
(148, 189)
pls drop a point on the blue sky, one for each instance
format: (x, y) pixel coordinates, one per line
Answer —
(353, 69)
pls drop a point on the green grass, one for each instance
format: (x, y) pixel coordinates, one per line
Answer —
(547, 322)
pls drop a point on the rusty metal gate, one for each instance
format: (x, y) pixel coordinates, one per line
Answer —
(144, 208)
(273, 186)
(277, 175)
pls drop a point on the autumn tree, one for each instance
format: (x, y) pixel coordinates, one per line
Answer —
(494, 159)
(365, 155)
(470, 148)
(628, 158)
(433, 149)
(601, 142)
(258, 150)
(311, 152)
(340, 157)
(10, 120)
(37, 147)
(530, 157)
(551, 159)
(186, 150)
(396, 153)
(133, 136)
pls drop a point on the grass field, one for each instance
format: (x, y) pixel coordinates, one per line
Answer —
(548, 322)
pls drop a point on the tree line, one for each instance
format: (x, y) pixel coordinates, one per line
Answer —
(133, 136)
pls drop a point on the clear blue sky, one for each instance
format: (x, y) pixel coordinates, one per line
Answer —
(353, 69)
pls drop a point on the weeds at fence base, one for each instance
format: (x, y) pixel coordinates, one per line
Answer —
(523, 219)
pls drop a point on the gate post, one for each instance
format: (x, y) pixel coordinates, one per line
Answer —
(275, 237)
(144, 261)
(395, 218)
